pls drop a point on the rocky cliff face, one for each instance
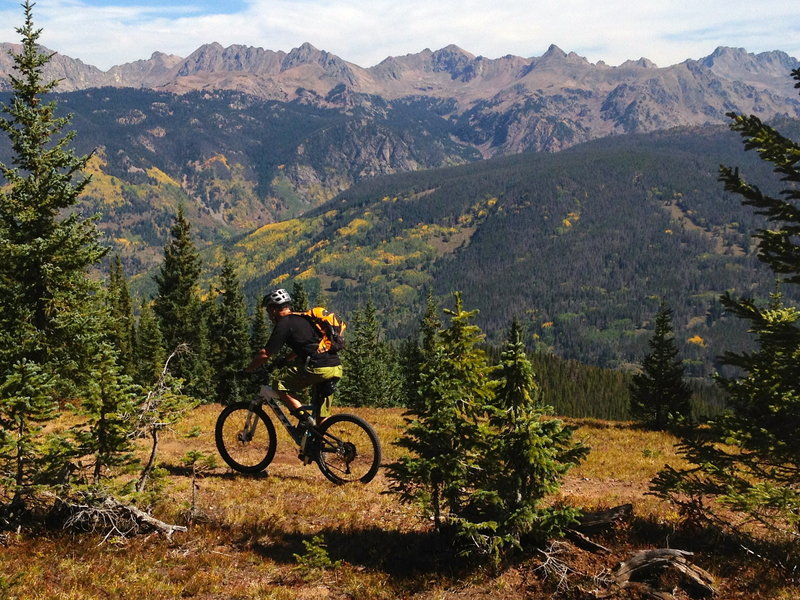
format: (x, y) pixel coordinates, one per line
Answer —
(504, 105)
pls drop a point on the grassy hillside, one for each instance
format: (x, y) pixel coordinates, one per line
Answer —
(580, 245)
(250, 530)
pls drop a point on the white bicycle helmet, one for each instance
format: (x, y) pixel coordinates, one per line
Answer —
(277, 298)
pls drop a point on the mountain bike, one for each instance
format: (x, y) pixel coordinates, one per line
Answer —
(344, 447)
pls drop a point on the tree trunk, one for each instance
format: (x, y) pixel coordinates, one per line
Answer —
(150, 463)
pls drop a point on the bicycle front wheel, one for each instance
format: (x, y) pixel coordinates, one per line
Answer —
(245, 437)
(348, 449)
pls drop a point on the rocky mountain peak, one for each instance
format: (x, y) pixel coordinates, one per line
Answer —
(206, 58)
(642, 63)
(556, 58)
(725, 58)
(304, 54)
(455, 61)
(766, 68)
(554, 52)
(332, 67)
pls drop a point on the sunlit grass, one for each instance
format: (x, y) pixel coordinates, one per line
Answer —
(248, 530)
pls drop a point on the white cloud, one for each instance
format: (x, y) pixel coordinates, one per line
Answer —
(365, 32)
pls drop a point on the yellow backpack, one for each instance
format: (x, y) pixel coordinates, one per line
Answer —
(330, 327)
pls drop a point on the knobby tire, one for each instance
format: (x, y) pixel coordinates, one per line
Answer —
(348, 449)
(240, 451)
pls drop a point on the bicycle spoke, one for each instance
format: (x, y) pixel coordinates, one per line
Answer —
(245, 438)
(349, 450)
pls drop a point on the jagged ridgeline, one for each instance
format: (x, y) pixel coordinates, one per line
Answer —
(581, 245)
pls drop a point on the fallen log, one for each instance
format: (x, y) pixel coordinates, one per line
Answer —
(602, 518)
(114, 518)
(583, 541)
(647, 565)
(594, 521)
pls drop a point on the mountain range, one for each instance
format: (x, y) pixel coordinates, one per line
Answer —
(500, 106)
(569, 194)
(247, 136)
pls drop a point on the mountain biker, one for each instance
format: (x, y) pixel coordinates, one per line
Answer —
(309, 367)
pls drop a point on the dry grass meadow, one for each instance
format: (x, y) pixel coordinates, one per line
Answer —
(256, 536)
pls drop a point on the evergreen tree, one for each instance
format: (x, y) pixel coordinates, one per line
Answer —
(45, 256)
(659, 394)
(150, 354)
(109, 406)
(177, 301)
(259, 330)
(123, 324)
(429, 327)
(321, 298)
(370, 373)
(750, 463)
(299, 297)
(525, 457)
(443, 427)
(201, 380)
(178, 308)
(414, 351)
(230, 348)
(28, 459)
(48, 335)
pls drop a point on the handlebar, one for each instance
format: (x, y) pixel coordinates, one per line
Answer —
(262, 373)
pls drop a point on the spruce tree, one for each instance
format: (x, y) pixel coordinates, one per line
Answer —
(123, 324)
(109, 405)
(47, 247)
(201, 379)
(443, 425)
(150, 352)
(659, 394)
(299, 297)
(370, 374)
(259, 330)
(525, 457)
(750, 462)
(413, 351)
(230, 344)
(48, 333)
(178, 308)
(177, 301)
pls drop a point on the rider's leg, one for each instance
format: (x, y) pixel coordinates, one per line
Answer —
(289, 387)
(292, 403)
(298, 378)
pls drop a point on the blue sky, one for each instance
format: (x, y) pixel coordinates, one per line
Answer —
(108, 32)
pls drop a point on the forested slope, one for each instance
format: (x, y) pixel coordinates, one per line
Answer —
(581, 245)
(235, 161)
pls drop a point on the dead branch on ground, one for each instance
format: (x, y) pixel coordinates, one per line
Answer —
(646, 566)
(114, 519)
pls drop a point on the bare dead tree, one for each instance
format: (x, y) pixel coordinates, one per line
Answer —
(163, 406)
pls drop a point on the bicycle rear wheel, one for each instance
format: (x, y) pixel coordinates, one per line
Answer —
(348, 449)
(245, 437)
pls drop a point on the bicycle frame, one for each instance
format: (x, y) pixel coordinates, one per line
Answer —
(268, 396)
